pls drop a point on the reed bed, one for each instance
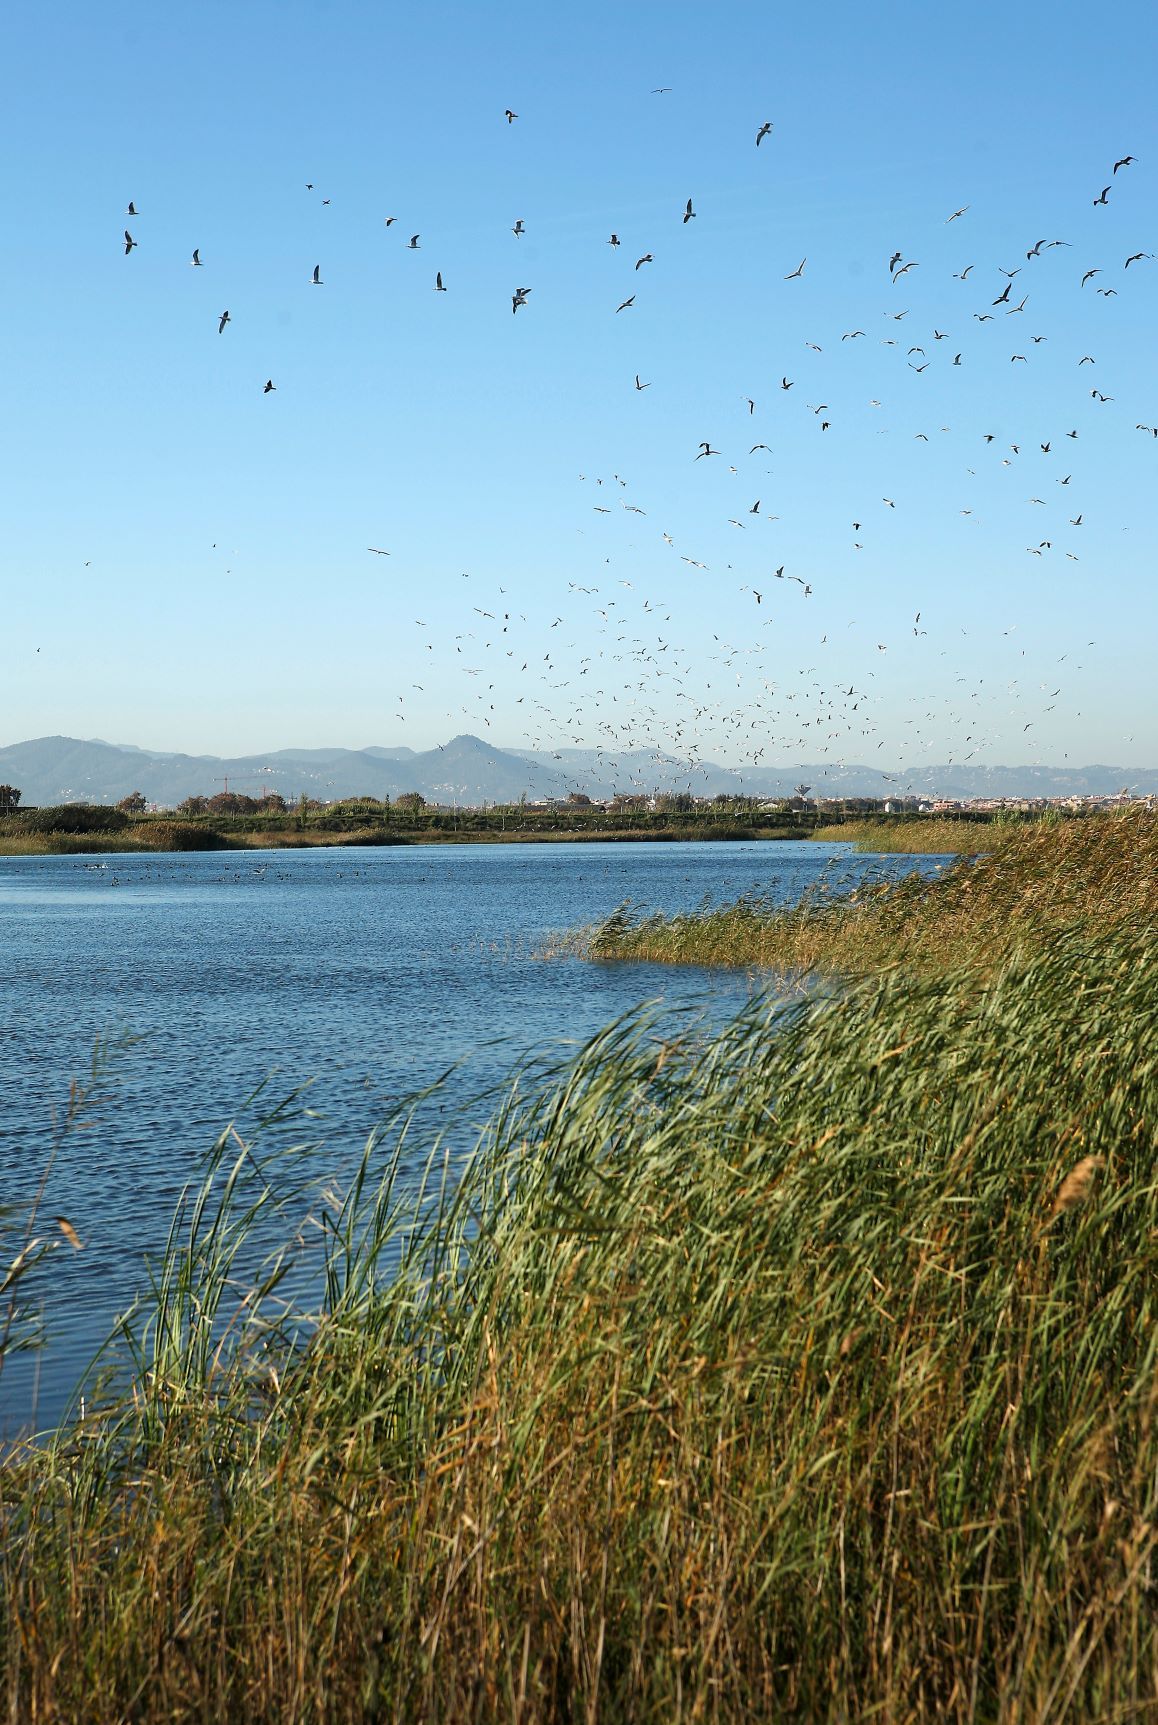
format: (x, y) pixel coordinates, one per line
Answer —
(806, 1371)
(64, 844)
(1099, 874)
(922, 836)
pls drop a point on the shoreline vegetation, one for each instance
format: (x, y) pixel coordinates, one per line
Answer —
(1037, 881)
(97, 829)
(806, 1370)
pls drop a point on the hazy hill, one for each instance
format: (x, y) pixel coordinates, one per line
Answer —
(469, 771)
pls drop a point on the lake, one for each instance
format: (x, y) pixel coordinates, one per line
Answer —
(368, 971)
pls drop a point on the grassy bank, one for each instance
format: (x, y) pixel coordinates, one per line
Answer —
(1098, 874)
(803, 1374)
(924, 836)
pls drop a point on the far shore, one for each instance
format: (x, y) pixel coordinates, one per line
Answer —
(95, 831)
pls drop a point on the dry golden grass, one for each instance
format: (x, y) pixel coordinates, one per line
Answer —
(924, 835)
(1099, 874)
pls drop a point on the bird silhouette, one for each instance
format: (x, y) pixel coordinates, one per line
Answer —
(689, 213)
(763, 133)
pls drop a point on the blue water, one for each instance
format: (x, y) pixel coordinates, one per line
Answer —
(367, 971)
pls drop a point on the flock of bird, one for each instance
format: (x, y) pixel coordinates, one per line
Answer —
(621, 697)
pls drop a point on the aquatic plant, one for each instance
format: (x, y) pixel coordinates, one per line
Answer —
(1099, 874)
(806, 1371)
(919, 835)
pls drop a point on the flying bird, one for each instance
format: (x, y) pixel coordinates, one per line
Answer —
(645, 259)
(1124, 163)
(511, 116)
(688, 212)
(519, 230)
(316, 278)
(414, 245)
(1105, 197)
(438, 287)
(705, 449)
(763, 132)
(956, 214)
(130, 242)
(377, 551)
(639, 385)
(132, 209)
(222, 321)
(195, 260)
(625, 304)
(798, 271)
(270, 386)
(614, 240)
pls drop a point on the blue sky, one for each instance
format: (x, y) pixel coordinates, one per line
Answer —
(186, 560)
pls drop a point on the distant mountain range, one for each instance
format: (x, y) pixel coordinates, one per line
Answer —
(469, 771)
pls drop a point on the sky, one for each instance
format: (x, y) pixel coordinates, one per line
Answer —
(187, 562)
